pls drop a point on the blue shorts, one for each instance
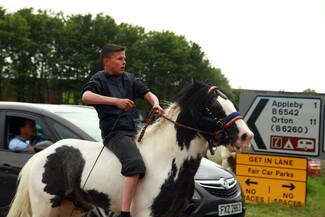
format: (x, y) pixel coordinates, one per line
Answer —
(122, 145)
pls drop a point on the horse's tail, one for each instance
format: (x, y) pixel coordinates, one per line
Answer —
(20, 205)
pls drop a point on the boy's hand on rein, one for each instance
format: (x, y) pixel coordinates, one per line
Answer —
(159, 111)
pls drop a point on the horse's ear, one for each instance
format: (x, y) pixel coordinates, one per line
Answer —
(193, 80)
(208, 82)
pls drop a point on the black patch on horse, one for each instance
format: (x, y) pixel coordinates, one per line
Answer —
(175, 194)
(184, 136)
(192, 100)
(62, 178)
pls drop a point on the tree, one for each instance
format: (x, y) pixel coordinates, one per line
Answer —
(3, 53)
(167, 62)
(162, 61)
(78, 52)
(48, 57)
(45, 28)
(14, 34)
(309, 91)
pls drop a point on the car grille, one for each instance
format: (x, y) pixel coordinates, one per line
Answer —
(220, 188)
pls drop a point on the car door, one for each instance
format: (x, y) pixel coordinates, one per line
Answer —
(12, 162)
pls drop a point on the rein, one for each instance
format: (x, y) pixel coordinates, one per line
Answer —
(150, 117)
(222, 123)
(229, 120)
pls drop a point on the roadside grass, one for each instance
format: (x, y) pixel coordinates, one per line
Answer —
(315, 203)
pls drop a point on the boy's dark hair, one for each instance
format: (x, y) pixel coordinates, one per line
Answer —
(109, 49)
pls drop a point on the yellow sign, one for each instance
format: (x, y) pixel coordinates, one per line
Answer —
(268, 179)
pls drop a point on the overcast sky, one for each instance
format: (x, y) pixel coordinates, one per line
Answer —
(257, 44)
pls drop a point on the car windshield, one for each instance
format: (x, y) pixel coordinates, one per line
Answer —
(87, 121)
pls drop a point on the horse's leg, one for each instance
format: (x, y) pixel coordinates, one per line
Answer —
(217, 158)
(41, 207)
(40, 201)
(228, 159)
(140, 214)
(67, 208)
(43, 201)
(225, 164)
(232, 163)
(225, 154)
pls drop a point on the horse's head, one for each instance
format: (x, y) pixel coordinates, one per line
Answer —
(214, 115)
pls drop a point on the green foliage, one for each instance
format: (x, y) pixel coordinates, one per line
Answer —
(310, 91)
(48, 57)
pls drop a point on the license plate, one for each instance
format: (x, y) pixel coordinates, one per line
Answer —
(230, 208)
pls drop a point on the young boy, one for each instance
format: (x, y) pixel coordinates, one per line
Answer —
(112, 92)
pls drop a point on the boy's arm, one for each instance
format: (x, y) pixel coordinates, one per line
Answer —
(91, 98)
(153, 100)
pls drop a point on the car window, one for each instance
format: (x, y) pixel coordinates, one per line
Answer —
(88, 123)
(40, 131)
(64, 132)
(12, 131)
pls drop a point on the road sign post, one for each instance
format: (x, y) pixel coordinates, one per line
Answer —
(269, 179)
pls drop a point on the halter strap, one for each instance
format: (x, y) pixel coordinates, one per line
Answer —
(229, 119)
(211, 89)
(223, 123)
(232, 118)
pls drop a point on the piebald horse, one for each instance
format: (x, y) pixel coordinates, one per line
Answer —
(64, 180)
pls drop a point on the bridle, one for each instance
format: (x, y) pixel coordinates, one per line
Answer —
(222, 124)
(227, 121)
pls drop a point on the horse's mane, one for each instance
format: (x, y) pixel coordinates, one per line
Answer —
(191, 98)
(171, 109)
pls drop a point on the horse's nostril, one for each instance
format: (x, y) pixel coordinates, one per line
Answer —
(244, 137)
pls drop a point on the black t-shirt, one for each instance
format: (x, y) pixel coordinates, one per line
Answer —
(125, 85)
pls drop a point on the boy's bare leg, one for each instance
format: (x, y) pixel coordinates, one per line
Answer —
(130, 185)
